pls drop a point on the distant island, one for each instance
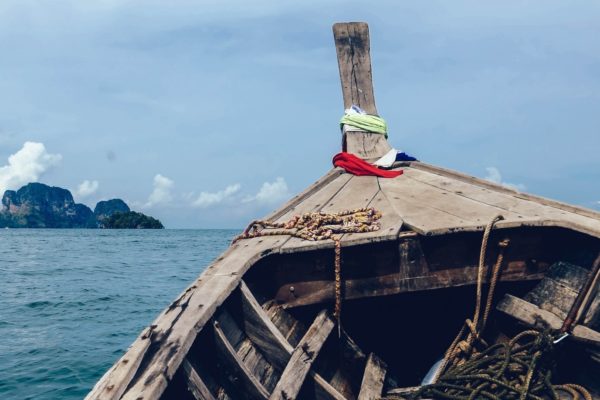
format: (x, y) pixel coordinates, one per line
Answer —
(37, 205)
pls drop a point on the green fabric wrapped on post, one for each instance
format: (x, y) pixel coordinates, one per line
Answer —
(369, 123)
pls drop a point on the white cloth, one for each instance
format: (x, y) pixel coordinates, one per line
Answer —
(388, 159)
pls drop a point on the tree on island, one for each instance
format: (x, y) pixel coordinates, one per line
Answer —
(131, 220)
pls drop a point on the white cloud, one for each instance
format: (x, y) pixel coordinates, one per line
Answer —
(87, 188)
(493, 175)
(162, 191)
(271, 193)
(26, 165)
(207, 199)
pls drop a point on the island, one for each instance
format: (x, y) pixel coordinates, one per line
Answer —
(37, 205)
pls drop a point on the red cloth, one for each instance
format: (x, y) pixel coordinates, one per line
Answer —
(358, 166)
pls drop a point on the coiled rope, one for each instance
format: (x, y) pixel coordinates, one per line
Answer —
(317, 226)
(519, 369)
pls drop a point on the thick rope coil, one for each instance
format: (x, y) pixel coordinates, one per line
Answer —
(320, 226)
(505, 371)
(520, 369)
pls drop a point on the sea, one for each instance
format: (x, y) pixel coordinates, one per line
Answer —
(72, 301)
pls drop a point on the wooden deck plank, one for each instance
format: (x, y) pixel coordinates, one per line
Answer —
(241, 372)
(357, 193)
(318, 199)
(473, 211)
(524, 209)
(503, 189)
(302, 358)
(195, 384)
(425, 211)
(301, 197)
(391, 222)
(415, 213)
(371, 387)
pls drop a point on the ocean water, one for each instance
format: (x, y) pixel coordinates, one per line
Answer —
(72, 301)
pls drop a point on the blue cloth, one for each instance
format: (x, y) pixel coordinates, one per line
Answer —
(402, 156)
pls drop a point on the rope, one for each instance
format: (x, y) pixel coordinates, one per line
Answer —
(462, 348)
(317, 226)
(519, 369)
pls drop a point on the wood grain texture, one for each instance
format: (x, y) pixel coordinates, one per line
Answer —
(274, 346)
(195, 384)
(353, 47)
(302, 358)
(532, 315)
(371, 387)
(240, 371)
(262, 331)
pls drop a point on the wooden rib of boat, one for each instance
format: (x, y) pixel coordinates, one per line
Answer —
(257, 323)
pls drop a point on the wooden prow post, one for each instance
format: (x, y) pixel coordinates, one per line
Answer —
(354, 60)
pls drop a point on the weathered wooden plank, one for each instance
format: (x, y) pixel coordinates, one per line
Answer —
(304, 355)
(274, 346)
(532, 315)
(390, 223)
(415, 212)
(314, 292)
(195, 384)
(473, 211)
(300, 198)
(570, 209)
(357, 193)
(174, 342)
(115, 380)
(244, 376)
(318, 199)
(371, 387)
(262, 331)
(353, 48)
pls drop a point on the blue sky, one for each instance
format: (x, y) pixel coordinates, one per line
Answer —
(211, 113)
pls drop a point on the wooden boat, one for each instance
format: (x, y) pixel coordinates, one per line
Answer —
(257, 323)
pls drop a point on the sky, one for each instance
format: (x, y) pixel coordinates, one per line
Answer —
(207, 114)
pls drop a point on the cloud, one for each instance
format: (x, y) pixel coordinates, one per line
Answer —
(493, 175)
(26, 165)
(207, 199)
(270, 193)
(87, 188)
(162, 191)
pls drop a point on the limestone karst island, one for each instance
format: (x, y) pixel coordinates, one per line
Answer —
(37, 205)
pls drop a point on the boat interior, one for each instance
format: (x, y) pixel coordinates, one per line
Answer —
(403, 304)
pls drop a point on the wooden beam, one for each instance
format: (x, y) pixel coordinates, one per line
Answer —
(531, 315)
(244, 376)
(195, 384)
(353, 48)
(371, 387)
(271, 342)
(319, 291)
(304, 355)
(261, 330)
